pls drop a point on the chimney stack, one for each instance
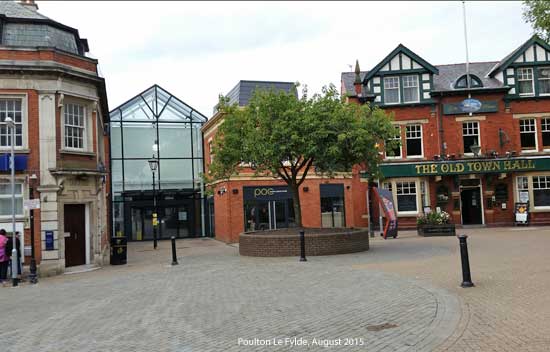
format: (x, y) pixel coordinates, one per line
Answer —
(357, 83)
(30, 4)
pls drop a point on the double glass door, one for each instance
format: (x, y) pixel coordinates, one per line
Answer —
(269, 215)
(173, 221)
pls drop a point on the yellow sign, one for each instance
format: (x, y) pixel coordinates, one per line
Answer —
(155, 219)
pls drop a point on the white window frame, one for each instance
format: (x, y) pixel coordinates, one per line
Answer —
(518, 189)
(88, 136)
(543, 79)
(532, 191)
(396, 196)
(24, 121)
(406, 87)
(396, 78)
(535, 132)
(84, 127)
(397, 127)
(520, 76)
(469, 135)
(545, 127)
(17, 195)
(421, 141)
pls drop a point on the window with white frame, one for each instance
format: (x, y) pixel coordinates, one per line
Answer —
(525, 81)
(410, 89)
(545, 127)
(387, 185)
(391, 90)
(75, 126)
(12, 108)
(413, 135)
(528, 134)
(406, 196)
(541, 191)
(522, 186)
(394, 151)
(544, 80)
(470, 135)
(5, 199)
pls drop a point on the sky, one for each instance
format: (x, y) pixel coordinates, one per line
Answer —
(198, 50)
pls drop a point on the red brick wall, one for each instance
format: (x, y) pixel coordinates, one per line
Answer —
(50, 55)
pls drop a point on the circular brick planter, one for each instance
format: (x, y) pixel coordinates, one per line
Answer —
(286, 242)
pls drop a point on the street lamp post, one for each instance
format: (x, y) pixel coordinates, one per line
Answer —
(153, 164)
(14, 264)
(32, 276)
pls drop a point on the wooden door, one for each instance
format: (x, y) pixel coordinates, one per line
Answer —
(75, 240)
(471, 206)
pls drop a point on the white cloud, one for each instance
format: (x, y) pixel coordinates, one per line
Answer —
(197, 50)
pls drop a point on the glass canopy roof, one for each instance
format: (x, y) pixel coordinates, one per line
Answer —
(156, 105)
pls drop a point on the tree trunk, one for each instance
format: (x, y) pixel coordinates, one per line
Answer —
(295, 189)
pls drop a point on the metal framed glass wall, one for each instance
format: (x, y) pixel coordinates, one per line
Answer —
(156, 124)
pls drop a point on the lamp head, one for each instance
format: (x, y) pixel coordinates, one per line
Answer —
(153, 164)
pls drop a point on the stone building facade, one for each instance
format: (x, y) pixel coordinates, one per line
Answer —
(53, 91)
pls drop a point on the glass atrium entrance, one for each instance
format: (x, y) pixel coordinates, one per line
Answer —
(157, 125)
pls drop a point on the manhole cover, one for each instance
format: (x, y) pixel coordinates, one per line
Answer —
(381, 327)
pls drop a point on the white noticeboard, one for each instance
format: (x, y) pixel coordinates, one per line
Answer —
(523, 196)
(29, 204)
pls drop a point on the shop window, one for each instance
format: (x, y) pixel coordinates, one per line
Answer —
(525, 81)
(522, 185)
(332, 206)
(410, 89)
(5, 199)
(11, 108)
(545, 126)
(394, 152)
(544, 80)
(541, 191)
(391, 90)
(528, 134)
(470, 135)
(406, 196)
(414, 140)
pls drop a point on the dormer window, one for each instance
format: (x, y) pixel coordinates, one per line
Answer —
(525, 81)
(391, 90)
(410, 89)
(475, 82)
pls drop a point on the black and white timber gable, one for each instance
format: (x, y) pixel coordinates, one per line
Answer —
(401, 78)
(526, 70)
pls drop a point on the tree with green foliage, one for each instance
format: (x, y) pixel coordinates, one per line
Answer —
(286, 137)
(537, 13)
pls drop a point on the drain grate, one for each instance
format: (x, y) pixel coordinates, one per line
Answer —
(381, 327)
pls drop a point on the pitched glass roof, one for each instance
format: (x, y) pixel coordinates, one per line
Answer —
(156, 105)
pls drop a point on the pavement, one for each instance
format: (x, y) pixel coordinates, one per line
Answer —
(402, 295)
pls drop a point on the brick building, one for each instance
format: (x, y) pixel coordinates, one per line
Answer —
(248, 202)
(53, 91)
(473, 165)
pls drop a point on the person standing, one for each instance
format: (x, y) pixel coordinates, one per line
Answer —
(9, 248)
(4, 258)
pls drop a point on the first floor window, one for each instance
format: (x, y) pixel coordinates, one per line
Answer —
(11, 108)
(414, 140)
(470, 135)
(394, 150)
(391, 90)
(528, 134)
(525, 81)
(541, 191)
(406, 196)
(5, 199)
(545, 126)
(544, 80)
(75, 126)
(410, 89)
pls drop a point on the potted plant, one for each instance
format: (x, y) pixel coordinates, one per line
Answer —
(435, 224)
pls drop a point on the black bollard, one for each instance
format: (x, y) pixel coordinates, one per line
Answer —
(303, 246)
(174, 256)
(466, 276)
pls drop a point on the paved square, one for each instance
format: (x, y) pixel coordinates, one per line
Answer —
(402, 295)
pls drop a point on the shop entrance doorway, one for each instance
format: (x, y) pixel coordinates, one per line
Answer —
(471, 206)
(269, 215)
